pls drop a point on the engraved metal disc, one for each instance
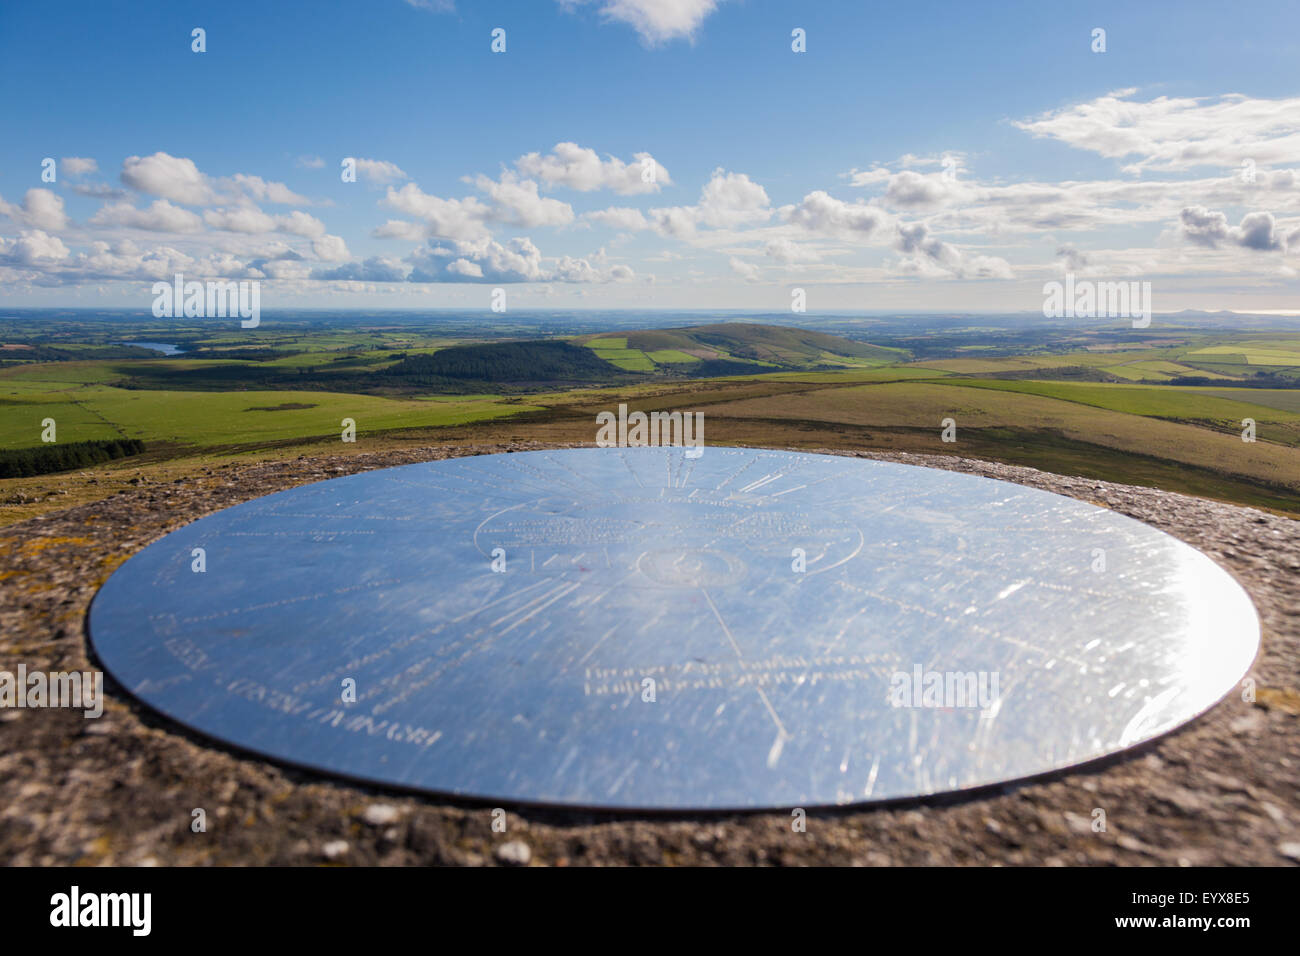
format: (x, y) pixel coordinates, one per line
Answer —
(639, 628)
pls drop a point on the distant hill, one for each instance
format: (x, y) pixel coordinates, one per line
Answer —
(731, 348)
(506, 362)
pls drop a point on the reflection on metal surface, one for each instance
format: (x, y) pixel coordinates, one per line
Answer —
(635, 628)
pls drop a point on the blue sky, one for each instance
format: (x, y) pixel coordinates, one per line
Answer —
(823, 170)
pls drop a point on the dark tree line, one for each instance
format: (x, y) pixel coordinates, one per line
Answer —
(505, 362)
(47, 459)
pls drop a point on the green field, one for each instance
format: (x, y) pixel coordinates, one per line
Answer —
(1166, 412)
(208, 419)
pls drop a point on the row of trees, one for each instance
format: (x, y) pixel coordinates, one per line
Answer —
(47, 459)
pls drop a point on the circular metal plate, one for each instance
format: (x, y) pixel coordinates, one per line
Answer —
(639, 628)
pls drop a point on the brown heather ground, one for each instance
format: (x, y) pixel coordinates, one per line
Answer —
(119, 790)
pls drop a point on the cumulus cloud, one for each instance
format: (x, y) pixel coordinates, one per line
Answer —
(657, 21)
(1177, 133)
(1257, 231)
(399, 229)
(951, 160)
(482, 260)
(823, 214)
(517, 260)
(517, 202)
(575, 167)
(869, 177)
(258, 188)
(509, 201)
(677, 222)
(380, 171)
(251, 220)
(732, 199)
(1209, 228)
(1072, 260)
(32, 248)
(616, 217)
(178, 179)
(171, 177)
(442, 218)
(789, 253)
(909, 189)
(727, 200)
(99, 191)
(246, 219)
(299, 223)
(40, 209)
(78, 166)
(374, 269)
(331, 249)
(159, 216)
(928, 256)
(747, 270)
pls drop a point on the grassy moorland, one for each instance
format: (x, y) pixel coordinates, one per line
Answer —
(1167, 410)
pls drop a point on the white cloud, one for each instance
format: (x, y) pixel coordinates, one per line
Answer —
(78, 166)
(443, 218)
(576, 167)
(622, 218)
(516, 202)
(159, 216)
(32, 249)
(180, 180)
(40, 209)
(374, 269)
(331, 249)
(655, 20)
(514, 261)
(99, 191)
(732, 199)
(510, 201)
(869, 177)
(465, 268)
(910, 190)
(823, 214)
(727, 200)
(929, 255)
(259, 189)
(518, 260)
(1257, 231)
(747, 270)
(677, 222)
(399, 229)
(1204, 227)
(1176, 134)
(788, 253)
(171, 177)
(298, 223)
(380, 171)
(246, 219)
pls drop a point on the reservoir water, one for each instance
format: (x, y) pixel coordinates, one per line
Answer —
(162, 347)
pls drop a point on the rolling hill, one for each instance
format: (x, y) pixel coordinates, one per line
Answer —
(730, 348)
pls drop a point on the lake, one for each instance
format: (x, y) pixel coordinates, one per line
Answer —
(162, 347)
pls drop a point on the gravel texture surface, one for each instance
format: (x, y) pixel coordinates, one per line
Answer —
(121, 789)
